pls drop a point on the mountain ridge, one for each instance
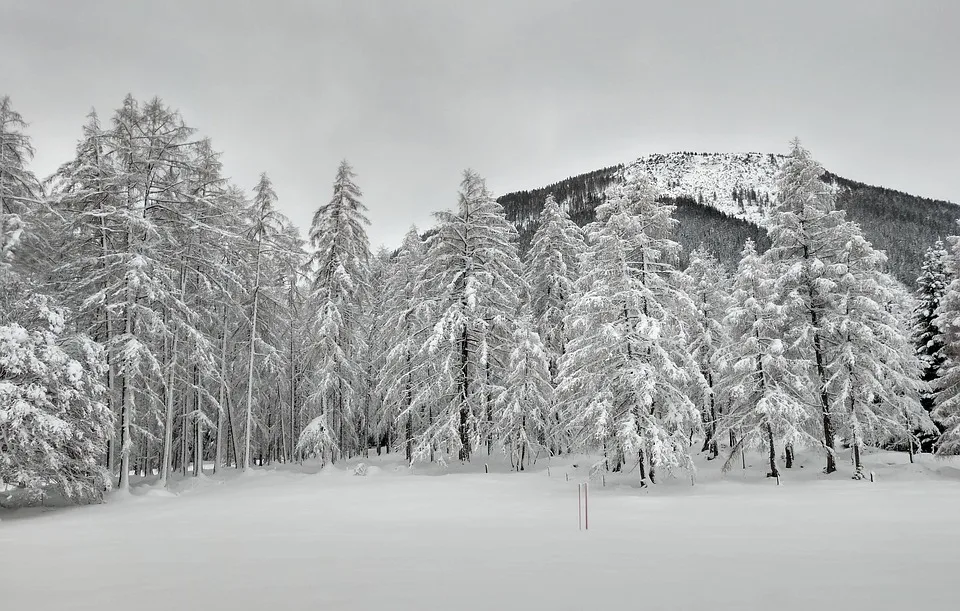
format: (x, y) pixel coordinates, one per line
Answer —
(737, 191)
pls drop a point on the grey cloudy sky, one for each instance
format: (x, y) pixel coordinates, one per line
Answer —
(526, 92)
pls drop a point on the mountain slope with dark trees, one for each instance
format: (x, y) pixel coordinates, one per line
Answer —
(721, 200)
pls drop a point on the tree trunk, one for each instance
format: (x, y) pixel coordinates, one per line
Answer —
(221, 399)
(408, 399)
(127, 403)
(828, 433)
(198, 427)
(184, 437)
(464, 394)
(293, 386)
(857, 465)
(232, 432)
(253, 348)
(788, 455)
(168, 416)
(774, 472)
(488, 409)
(714, 446)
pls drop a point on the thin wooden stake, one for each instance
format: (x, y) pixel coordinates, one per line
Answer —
(586, 511)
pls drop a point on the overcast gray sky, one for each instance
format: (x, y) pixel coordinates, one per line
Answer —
(526, 92)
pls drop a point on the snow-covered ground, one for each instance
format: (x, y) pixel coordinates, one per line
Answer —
(292, 538)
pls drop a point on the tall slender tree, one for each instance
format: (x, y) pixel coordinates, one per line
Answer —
(807, 234)
(406, 320)
(473, 278)
(931, 286)
(707, 283)
(19, 189)
(340, 270)
(551, 270)
(266, 224)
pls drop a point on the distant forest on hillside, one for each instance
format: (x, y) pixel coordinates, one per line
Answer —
(903, 225)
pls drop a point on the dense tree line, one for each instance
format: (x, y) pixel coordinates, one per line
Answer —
(157, 320)
(897, 220)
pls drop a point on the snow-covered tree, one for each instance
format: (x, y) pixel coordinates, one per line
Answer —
(376, 424)
(625, 376)
(874, 370)
(931, 286)
(836, 314)
(764, 380)
(808, 235)
(707, 287)
(406, 322)
(141, 207)
(19, 188)
(340, 268)
(266, 225)
(946, 410)
(525, 403)
(54, 423)
(551, 270)
(473, 279)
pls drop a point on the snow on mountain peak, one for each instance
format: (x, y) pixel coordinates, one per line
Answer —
(742, 185)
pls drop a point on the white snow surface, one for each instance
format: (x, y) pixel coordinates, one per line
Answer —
(426, 538)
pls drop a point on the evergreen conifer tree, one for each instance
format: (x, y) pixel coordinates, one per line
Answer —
(340, 277)
(473, 279)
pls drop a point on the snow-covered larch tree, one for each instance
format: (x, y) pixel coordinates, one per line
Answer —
(266, 225)
(372, 420)
(625, 375)
(931, 286)
(707, 287)
(874, 370)
(764, 382)
(340, 271)
(473, 278)
(551, 270)
(406, 322)
(808, 234)
(19, 188)
(524, 406)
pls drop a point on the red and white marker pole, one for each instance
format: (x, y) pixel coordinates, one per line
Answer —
(583, 508)
(586, 512)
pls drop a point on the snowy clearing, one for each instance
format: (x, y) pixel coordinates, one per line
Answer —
(295, 539)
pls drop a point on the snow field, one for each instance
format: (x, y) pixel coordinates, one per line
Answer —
(289, 539)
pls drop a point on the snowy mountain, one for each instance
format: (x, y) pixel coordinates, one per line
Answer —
(724, 198)
(738, 184)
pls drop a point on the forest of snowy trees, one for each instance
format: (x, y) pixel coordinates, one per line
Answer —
(155, 318)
